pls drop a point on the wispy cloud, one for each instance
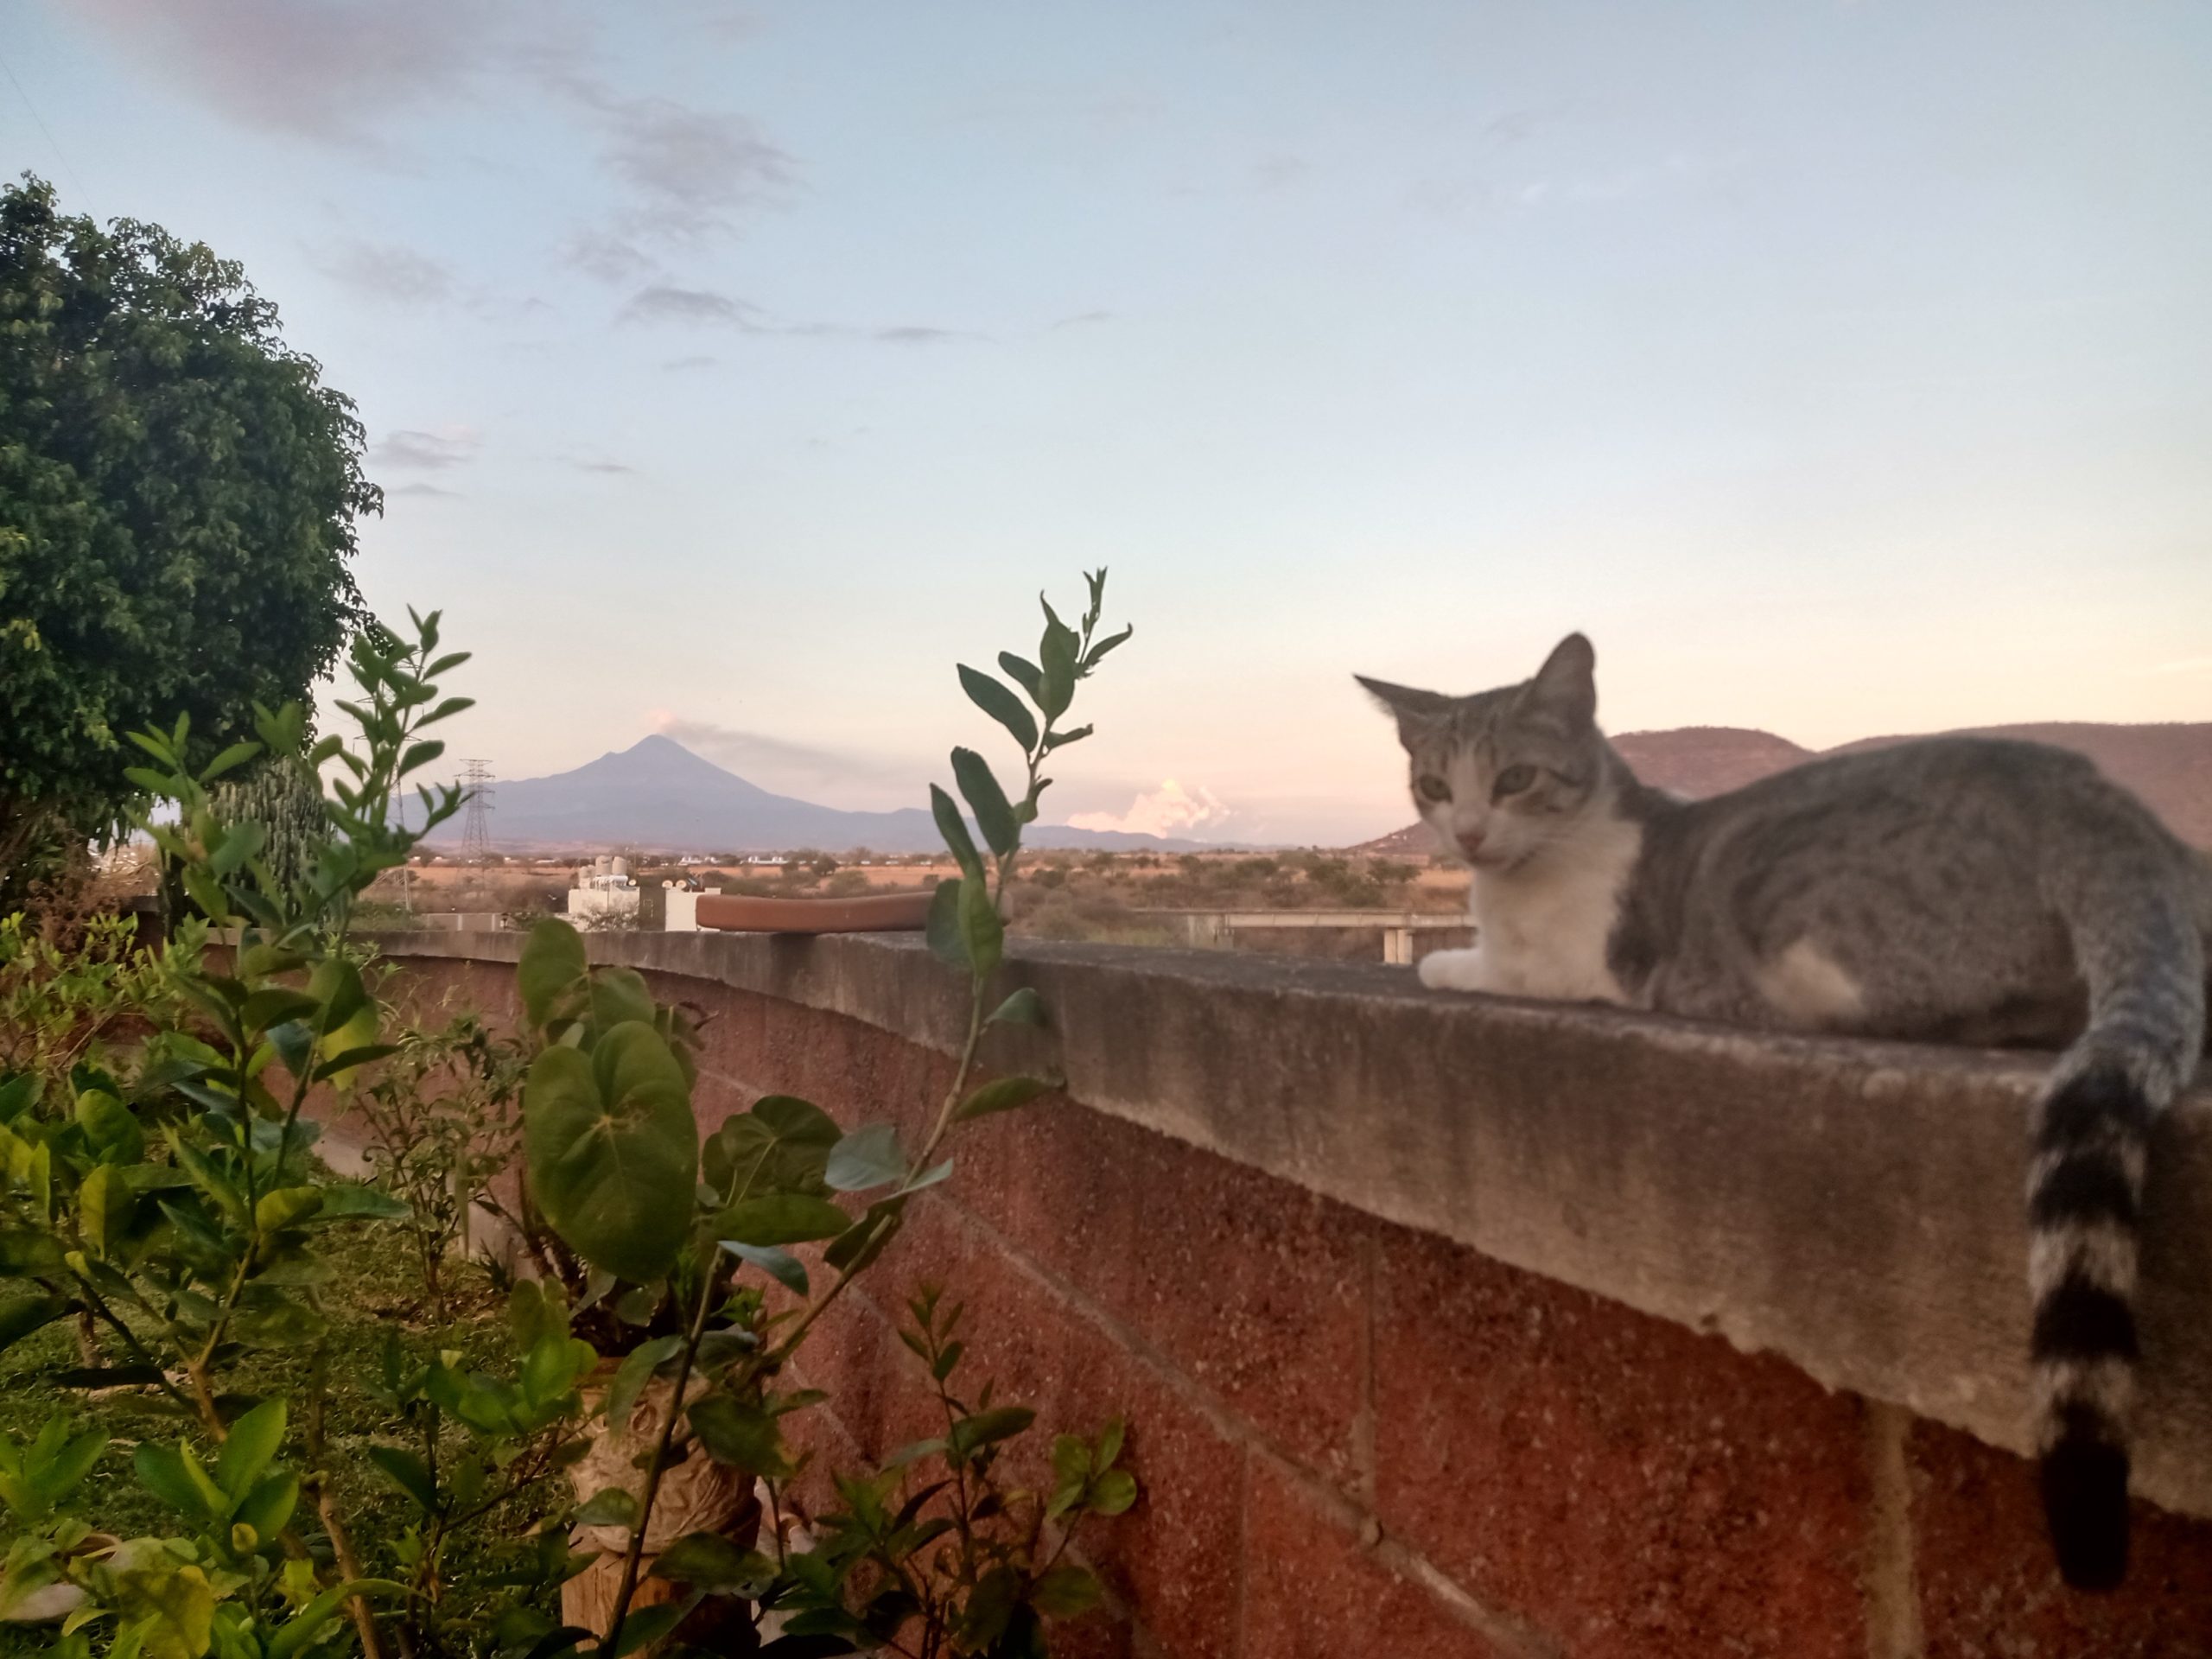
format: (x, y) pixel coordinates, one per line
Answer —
(756, 755)
(335, 72)
(426, 490)
(1085, 320)
(611, 258)
(685, 175)
(686, 365)
(1168, 810)
(429, 452)
(584, 464)
(2184, 665)
(1276, 172)
(386, 272)
(663, 302)
(911, 335)
(352, 72)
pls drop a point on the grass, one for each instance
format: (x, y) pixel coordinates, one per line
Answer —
(377, 1291)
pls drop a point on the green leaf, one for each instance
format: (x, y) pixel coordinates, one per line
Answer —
(617, 994)
(407, 1472)
(420, 755)
(944, 925)
(636, 1369)
(25, 1251)
(992, 697)
(110, 1127)
(1022, 1007)
(649, 1624)
(868, 1157)
(165, 1471)
(70, 1464)
(954, 829)
(1001, 1095)
(286, 1207)
(356, 1201)
(1113, 1493)
(993, 812)
(1024, 673)
(1056, 653)
(1065, 1592)
(350, 1059)
(709, 1562)
(866, 1238)
(743, 1436)
(267, 1508)
(982, 933)
(228, 760)
(251, 1448)
(1071, 1459)
(970, 1435)
(781, 1218)
(306, 1625)
(1099, 648)
(553, 965)
(779, 1146)
(612, 1150)
(610, 1506)
(103, 1202)
(281, 1325)
(277, 1004)
(779, 1265)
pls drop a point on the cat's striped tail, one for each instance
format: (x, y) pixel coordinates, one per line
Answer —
(2143, 955)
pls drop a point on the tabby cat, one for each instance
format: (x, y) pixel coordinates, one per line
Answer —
(1951, 889)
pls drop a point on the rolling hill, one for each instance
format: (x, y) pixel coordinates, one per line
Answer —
(658, 795)
(2170, 766)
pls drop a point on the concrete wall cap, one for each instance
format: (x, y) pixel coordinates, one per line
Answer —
(1856, 1207)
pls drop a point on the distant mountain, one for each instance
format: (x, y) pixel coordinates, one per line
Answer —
(656, 795)
(2170, 766)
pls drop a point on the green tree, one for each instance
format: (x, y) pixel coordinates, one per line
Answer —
(177, 497)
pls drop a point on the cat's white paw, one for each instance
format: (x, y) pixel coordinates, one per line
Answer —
(1452, 970)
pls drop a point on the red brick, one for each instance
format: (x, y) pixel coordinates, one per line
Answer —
(1172, 1558)
(1636, 1490)
(1253, 1287)
(855, 1071)
(1988, 1589)
(1312, 1593)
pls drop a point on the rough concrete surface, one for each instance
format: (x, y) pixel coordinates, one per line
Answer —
(1855, 1207)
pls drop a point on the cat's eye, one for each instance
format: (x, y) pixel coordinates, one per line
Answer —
(1512, 781)
(1433, 789)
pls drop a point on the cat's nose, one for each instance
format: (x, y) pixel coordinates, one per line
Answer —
(1471, 842)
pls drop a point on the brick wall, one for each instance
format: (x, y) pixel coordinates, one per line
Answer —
(1361, 1440)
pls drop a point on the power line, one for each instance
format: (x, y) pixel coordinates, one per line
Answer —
(84, 195)
(476, 819)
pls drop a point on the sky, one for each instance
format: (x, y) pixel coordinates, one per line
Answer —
(732, 370)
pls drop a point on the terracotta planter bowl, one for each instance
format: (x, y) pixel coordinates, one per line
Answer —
(881, 913)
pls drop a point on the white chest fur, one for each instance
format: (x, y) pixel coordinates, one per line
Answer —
(1541, 931)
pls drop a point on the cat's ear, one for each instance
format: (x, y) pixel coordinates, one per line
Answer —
(1403, 701)
(1566, 687)
(1414, 709)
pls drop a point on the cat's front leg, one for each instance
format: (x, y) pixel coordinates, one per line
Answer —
(1459, 971)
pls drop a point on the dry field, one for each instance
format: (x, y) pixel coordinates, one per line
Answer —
(1056, 895)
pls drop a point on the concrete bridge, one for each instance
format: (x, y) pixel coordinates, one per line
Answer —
(1214, 929)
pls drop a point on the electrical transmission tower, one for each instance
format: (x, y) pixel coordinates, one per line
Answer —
(476, 817)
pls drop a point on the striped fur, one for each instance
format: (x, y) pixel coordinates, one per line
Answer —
(1952, 889)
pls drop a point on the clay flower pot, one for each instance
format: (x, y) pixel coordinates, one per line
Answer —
(696, 1494)
(878, 912)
